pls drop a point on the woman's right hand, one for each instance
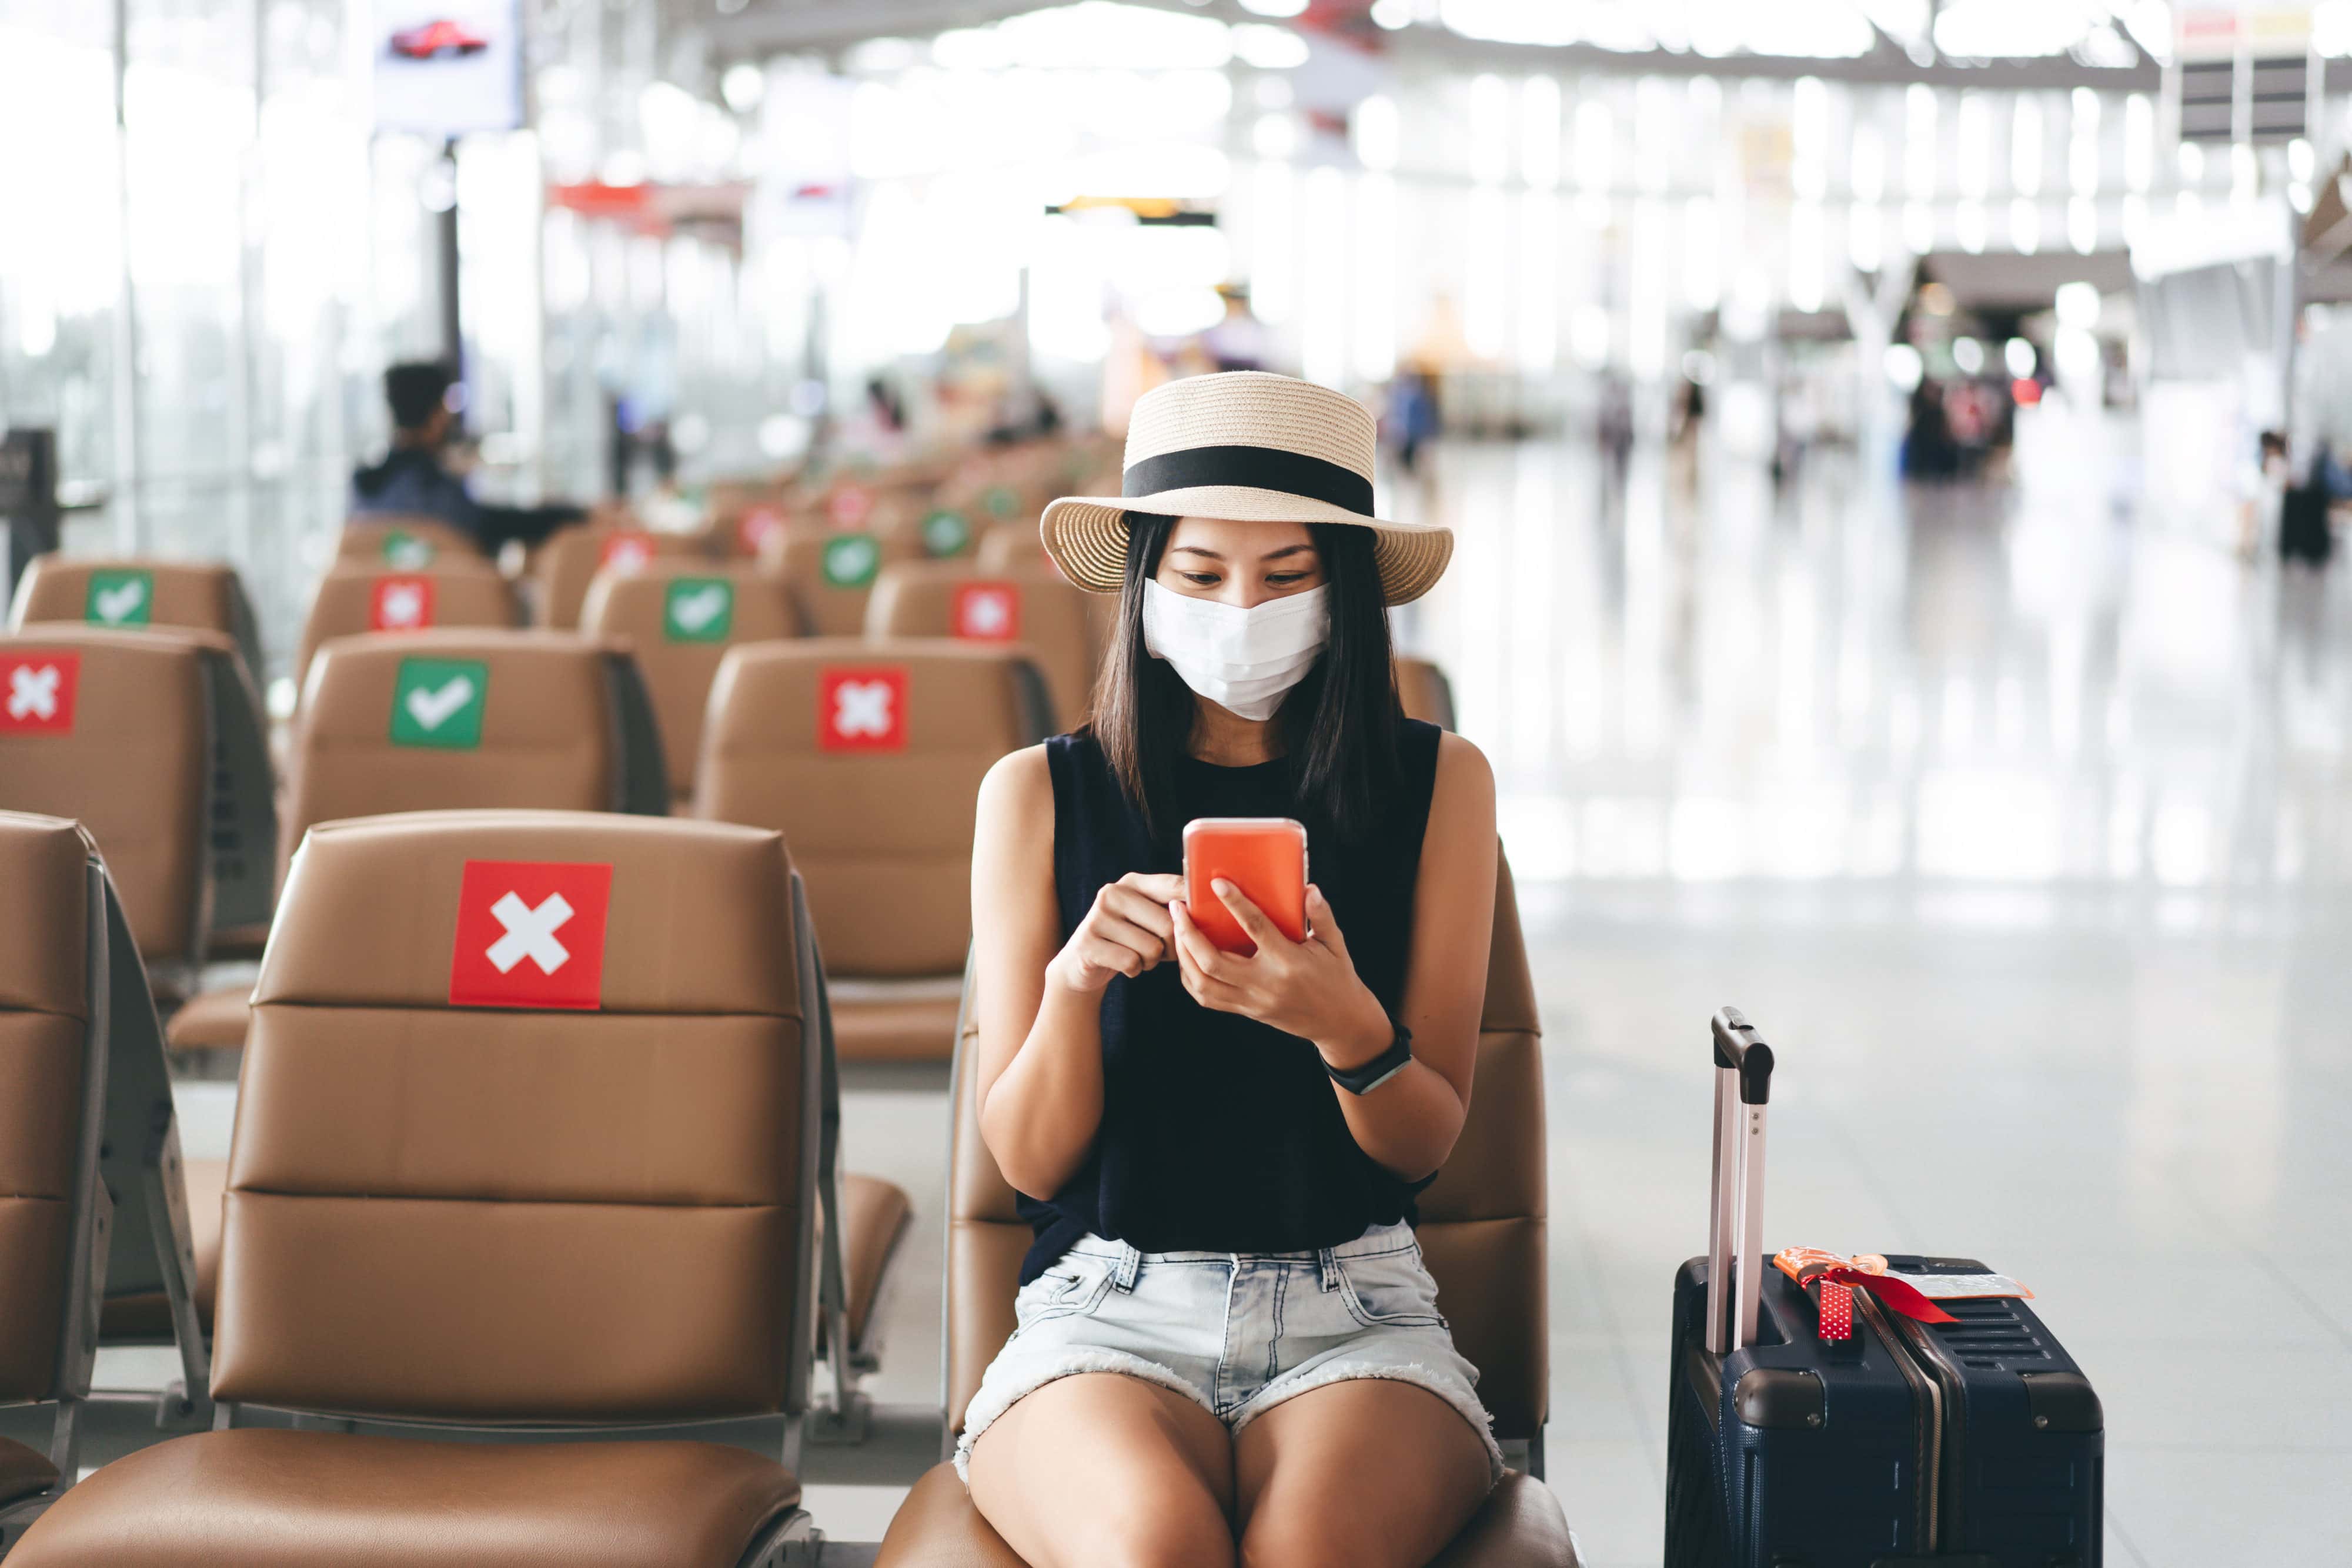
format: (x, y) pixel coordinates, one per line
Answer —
(1127, 931)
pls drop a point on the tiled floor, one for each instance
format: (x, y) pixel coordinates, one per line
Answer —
(2022, 822)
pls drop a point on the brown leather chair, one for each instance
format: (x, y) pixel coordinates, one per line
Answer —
(53, 1037)
(126, 591)
(680, 618)
(830, 572)
(89, 1184)
(359, 597)
(421, 721)
(1034, 607)
(868, 756)
(385, 542)
(1482, 1231)
(471, 1189)
(1425, 691)
(154, 741)
(568, 560)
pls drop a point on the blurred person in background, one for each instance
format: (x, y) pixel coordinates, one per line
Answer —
(1615, 424)
(412, 480)
(1413, 415)
(1238, 342)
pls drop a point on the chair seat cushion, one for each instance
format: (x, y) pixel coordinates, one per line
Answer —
(212, 1021)
(937, 1527)
(22, 1471)
(274, 1499)
(874, 1217)
(882, 1028)
(131, 1318)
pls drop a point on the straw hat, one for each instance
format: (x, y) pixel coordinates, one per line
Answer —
(1249, 447)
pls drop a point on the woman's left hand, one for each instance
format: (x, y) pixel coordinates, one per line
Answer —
(1307, 989)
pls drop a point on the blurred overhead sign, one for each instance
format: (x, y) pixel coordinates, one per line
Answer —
(2244, 72)
(711, 211)
(443, 68)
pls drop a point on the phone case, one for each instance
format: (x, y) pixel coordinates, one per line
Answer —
(1265, 857)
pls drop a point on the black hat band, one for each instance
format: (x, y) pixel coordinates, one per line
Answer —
(1253, 469)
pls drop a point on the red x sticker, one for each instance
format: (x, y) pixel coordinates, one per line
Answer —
(400, 603)
(530, 934)
(626, 551)
(986, 612)
(757, 527)
(37, 686)
(861, 708)
(848, 507)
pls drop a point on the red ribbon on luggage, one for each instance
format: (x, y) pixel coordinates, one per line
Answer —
(1895, 1296)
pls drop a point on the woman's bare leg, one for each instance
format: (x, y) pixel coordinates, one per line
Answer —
(1370, 1473)
(1100, 1471)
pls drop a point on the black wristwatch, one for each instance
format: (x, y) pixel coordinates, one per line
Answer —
(1379, 1070)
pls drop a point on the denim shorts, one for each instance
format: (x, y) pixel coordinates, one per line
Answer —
(1236, 1332)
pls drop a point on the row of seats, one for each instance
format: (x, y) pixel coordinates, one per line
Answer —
(534, 1144)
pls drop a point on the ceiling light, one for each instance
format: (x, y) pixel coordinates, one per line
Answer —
(1274, 8)
(1269, 49)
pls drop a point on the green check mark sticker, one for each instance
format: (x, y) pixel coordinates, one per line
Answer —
(699, 609)
(439, 702)
(946, 533)
(851, 561)
(406, 552)
(120, 599)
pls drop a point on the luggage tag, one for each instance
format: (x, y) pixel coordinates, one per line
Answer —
(1832, 1281)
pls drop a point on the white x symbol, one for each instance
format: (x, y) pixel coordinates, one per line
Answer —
(986, 614)
(530, 934)
(861, 708)
(33, 692)
(403, 606)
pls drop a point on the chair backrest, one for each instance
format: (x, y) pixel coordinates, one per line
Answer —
(1481, 1221)
(1011, 547)
(52, 1039)
(1034, 608)
(130, 592)
(357, 597)
(830, 572)
(868, 756)
(438, 720)
(386, 542)
(679, 618)
(525, 1128)
(1424, 692)
(153, 740)
(568, 560)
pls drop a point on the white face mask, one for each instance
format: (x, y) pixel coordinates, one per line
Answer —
(1244, 661)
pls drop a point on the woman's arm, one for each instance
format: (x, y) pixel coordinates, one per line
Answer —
(1311, 988)
(1040, 1007)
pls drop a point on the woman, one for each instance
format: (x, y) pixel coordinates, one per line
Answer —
(1228, 1347)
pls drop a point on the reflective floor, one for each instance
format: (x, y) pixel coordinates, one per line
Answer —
(2021, 821)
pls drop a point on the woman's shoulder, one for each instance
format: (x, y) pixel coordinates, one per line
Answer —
(1460, 776)
(1019, 784)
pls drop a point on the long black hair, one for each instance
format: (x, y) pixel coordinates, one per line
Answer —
(1338, 726)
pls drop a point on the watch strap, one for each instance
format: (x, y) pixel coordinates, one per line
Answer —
(1363, 1079)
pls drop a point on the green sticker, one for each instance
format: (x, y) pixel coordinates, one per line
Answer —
(851, 561)
(439, 702)
(946, 533)
(406, 552)
(699, 609)
(120, 599)
(1000, 502)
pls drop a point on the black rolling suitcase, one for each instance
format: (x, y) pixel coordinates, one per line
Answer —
(1973, 1443)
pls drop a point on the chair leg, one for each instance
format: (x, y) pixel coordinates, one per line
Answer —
(792, 1541)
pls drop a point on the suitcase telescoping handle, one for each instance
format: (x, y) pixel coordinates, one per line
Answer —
(1735, 1231)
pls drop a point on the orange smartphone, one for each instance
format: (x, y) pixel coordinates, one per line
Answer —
(1265, 857)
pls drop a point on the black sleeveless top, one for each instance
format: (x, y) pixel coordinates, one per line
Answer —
(1221, 1133)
